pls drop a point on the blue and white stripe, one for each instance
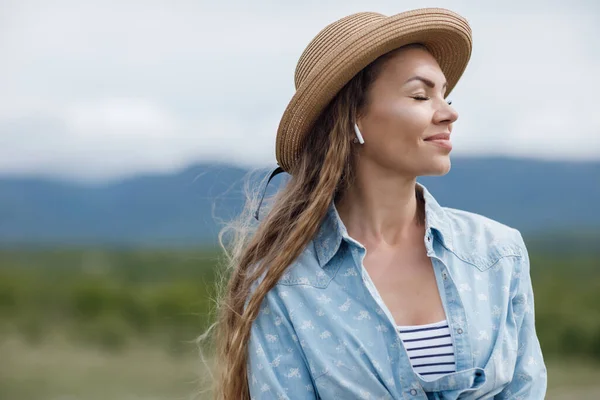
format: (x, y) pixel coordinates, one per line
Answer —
(430, 349)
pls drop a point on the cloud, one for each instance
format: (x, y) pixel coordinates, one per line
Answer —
(101, 144)
(533, 91)
(139, 118)
(104, 89)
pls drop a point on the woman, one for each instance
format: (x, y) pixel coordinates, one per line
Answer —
(357, 284)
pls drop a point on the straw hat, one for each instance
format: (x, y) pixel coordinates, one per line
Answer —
(348, 45)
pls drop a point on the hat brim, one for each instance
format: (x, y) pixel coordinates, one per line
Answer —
(446, 35)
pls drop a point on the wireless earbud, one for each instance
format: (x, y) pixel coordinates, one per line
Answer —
(358, 134)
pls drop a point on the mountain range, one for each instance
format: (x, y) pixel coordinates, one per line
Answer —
(540, 198)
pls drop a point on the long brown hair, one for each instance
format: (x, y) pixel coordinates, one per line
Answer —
(323, 173)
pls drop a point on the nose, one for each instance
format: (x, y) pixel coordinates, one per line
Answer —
(445, 113)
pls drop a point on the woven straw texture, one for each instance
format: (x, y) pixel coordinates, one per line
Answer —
(348, 45)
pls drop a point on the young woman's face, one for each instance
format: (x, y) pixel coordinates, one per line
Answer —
(405, 107)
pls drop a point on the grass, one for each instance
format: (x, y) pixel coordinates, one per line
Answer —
(62, 371)
(573, 379)
(58, 370)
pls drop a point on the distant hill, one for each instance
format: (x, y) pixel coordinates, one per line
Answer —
(538, 197)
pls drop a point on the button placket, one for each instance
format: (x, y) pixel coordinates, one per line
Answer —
(401, 354)
(457, 318)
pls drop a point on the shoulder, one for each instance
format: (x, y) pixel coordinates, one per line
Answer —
(483, 239)
(477, 223)
(305, 270)
(300, 282)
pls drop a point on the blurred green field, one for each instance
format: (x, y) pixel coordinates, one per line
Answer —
(121, 324)
(107, 299)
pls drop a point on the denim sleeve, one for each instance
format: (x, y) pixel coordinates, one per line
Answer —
(276, 363)
(530, 376)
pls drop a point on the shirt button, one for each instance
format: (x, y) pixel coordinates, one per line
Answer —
(459, 331)
(444, 275)
(413, 392)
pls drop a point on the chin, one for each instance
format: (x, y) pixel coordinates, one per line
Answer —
(438, 167)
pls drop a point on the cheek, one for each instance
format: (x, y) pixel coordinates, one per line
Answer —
(399, 121)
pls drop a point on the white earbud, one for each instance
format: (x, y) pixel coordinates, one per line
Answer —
(358, 134)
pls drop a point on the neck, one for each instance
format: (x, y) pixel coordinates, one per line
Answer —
(386, 210)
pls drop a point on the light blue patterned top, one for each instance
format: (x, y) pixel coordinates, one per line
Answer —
(324, 332)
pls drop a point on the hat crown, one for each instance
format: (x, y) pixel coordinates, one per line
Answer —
(329, 38)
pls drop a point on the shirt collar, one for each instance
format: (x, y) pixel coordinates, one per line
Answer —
(332, 230)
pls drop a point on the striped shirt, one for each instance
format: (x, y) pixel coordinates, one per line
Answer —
(430, 349)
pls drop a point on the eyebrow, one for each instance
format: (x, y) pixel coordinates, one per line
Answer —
(425, 81)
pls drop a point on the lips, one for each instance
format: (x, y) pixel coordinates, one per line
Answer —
(439, 136)
(441, 140)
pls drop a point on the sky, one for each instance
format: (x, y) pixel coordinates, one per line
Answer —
(100, 90)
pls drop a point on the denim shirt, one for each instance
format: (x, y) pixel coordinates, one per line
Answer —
(324, 332)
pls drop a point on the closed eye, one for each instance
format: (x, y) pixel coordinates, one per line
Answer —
(423, 98)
